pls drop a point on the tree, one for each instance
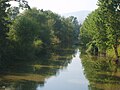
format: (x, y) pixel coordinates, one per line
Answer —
(111, 9)
(88, 31)
(101, 30)
(4, 23)
(4, 27)
(24, 32)
(13, 11)
(35, 32)
(101, 26)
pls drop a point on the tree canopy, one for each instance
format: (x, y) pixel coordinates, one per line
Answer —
(101, 27)
(33, 32)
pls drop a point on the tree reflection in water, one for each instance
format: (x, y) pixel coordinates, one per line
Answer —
(102, 74)
(28, 75)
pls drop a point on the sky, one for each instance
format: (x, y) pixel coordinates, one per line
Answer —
(64, 6)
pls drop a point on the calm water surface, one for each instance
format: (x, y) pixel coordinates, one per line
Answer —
(102, 72)
(70, 78)
(63, 69)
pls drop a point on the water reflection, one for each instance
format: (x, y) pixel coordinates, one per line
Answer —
(35, 74)
(102, 73)
(71, 78)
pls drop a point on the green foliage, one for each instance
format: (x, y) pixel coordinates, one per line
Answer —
(33, 32)
(36, 32)
(38, 43)
(4, 23)
(23, 32)
(101, 27)
(26, 29)
(110, 8)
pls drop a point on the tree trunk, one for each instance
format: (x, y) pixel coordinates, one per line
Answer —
(116, 46)
(116, 51)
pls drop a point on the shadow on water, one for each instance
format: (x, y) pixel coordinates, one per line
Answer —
(102, 74)
(22, 75)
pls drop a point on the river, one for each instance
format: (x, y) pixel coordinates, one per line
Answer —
(70, 78)
(63, 69)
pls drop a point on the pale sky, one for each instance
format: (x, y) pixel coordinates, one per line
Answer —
(64, 6)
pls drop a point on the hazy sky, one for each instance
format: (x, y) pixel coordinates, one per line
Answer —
(64, 6)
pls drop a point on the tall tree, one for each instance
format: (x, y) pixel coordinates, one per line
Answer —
(4, 24)
(24, 32)
(4, 21)
(112, 9)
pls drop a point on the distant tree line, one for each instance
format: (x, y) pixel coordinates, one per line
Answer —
(101, 29)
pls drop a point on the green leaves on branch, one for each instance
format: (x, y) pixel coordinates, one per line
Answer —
(102, 26)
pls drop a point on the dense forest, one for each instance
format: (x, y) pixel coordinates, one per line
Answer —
(33, 33)
(100, 32)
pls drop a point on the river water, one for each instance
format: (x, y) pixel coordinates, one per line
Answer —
(63, 69)
(70, 78)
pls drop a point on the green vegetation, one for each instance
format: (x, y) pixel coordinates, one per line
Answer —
(34, 44)
(33, 33)
(101, 30)
(100, 35)
(37, 43)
